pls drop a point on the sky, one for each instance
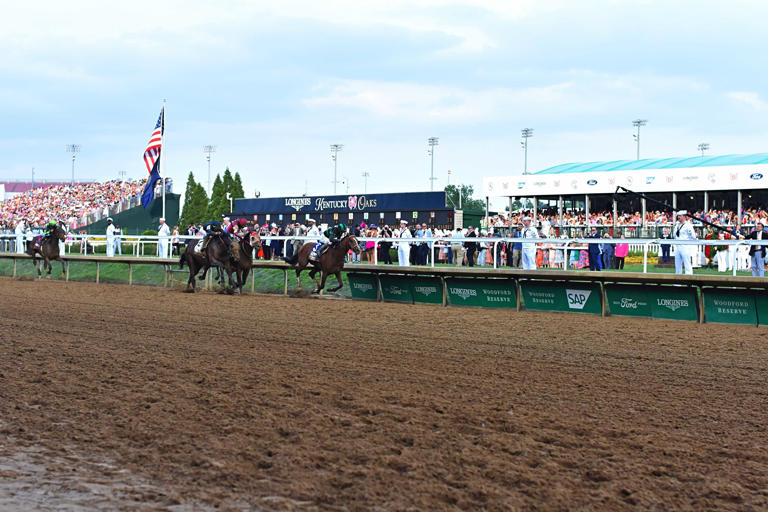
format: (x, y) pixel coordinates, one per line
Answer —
(273, 84)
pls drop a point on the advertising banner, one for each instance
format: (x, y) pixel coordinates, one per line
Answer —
(428, 290)
(363, 286)
(628, 300)
(730, 306)
(488, 293)
(395, 289)
(673, 302)
(405, 201)
(761, 305)
(571, 296)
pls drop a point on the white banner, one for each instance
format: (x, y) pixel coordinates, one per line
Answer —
(691, 179)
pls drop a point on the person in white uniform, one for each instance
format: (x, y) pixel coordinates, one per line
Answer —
(683, 230)
(163, 232)
(110, 238)
(529, 249)
(404, 248)
(19, 231)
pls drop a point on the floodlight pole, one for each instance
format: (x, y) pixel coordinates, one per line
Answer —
(74, 149)
(365, 175)
(637, 123)
(208, 150)
(703, 147)
(432, 141)
(335, 148)
(526, 134)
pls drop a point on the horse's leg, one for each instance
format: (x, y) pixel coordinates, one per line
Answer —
(341, 283)
(48, 266)
(35, 263)
(312, 274)
(63, 270)
(322, 282)
(298, 277)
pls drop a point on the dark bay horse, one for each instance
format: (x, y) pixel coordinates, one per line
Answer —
(48, 249)
(331, 262)
(196, 261)
(219, 254)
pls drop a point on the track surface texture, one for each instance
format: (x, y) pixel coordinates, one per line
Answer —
(138, 398)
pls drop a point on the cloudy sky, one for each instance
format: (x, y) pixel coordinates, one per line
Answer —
(273, 84)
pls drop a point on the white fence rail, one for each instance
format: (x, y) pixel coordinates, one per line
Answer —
(138, 245)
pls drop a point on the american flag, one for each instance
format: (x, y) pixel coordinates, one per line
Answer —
(155, 144)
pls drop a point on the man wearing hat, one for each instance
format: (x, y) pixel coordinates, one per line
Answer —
(683, 230)
(757, 252)
(404, 248)
(163, 232)
(312, 229)
(110, 238)
(529, 249)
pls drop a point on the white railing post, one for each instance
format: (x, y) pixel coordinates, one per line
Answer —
(376, 252)
(645, 257)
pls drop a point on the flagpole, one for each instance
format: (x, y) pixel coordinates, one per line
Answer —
(162, 156)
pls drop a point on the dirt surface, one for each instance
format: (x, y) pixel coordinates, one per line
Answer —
(118, 397)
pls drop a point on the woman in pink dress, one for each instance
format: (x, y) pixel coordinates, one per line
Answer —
(372, 232)
(621, 252)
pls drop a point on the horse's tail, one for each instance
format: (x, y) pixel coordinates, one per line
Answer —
(182, 258)
(293, 260)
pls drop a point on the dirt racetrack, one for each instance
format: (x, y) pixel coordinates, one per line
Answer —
(118, 397)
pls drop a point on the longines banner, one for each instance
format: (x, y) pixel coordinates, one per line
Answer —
(653, 301)
(363, 286)
(726, 177)
(489, 293)
(405, 202)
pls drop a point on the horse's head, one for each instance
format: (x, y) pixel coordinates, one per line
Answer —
(351, 243)
(255, 240)
(60, 231)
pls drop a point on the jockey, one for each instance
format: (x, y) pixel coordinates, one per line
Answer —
(238, 229)
(211, 228)
(49, 228)
(330, 237)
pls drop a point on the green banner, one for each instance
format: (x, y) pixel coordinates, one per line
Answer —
(628, 300)
(395, 289)
(571, 296)
(674, 303)
(730, 306)
(427, 290)
(489, 293)
(761, 305)
(363, 286)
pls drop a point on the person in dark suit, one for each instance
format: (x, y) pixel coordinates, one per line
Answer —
(471, 247)
(757, 252)
(665, 248)
(595, 261)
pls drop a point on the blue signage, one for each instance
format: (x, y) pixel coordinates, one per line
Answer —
(407, 201)
(592, 182)
(756, 176)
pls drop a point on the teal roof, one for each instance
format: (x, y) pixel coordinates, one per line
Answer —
(658, 163)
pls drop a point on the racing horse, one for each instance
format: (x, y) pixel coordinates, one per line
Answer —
(196, 261)
(218, 253)
(48, 249)
(330, 262)
(245, 248)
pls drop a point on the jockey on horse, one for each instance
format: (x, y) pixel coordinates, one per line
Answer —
(330, 238)
(37, 242)
(237, 230)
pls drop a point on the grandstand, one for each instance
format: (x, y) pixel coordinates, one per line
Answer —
(729, 182)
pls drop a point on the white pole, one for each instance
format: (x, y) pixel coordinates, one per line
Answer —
(163, 159)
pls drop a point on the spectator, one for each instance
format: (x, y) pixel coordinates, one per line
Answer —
(404, 248)
(622, 250)
(110, 238)
(471, 247)
(162, 242)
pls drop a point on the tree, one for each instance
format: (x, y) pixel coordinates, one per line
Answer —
(237, 187)
(219, 203)
(195, 203)
(467, 202)
(228, 181)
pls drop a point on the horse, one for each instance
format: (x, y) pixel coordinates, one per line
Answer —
(219, 254)
(48, 249)
(246, 247)
(195, 261)
(330, 262)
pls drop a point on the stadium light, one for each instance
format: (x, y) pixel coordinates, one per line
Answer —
(335, 148)
(208, 150)
(74, 149)
(637, 123)
(704, 146)
(365, 176)
(526, 134)
(432, 141)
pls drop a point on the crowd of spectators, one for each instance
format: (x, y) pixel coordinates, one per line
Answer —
(76, 205)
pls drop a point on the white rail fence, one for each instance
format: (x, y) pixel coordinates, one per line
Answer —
(738, 250)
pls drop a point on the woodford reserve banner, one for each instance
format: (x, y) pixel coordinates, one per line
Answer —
(562, 296)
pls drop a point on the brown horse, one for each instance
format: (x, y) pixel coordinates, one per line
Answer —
(246, 247)
(330, 262)
(48, 248)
